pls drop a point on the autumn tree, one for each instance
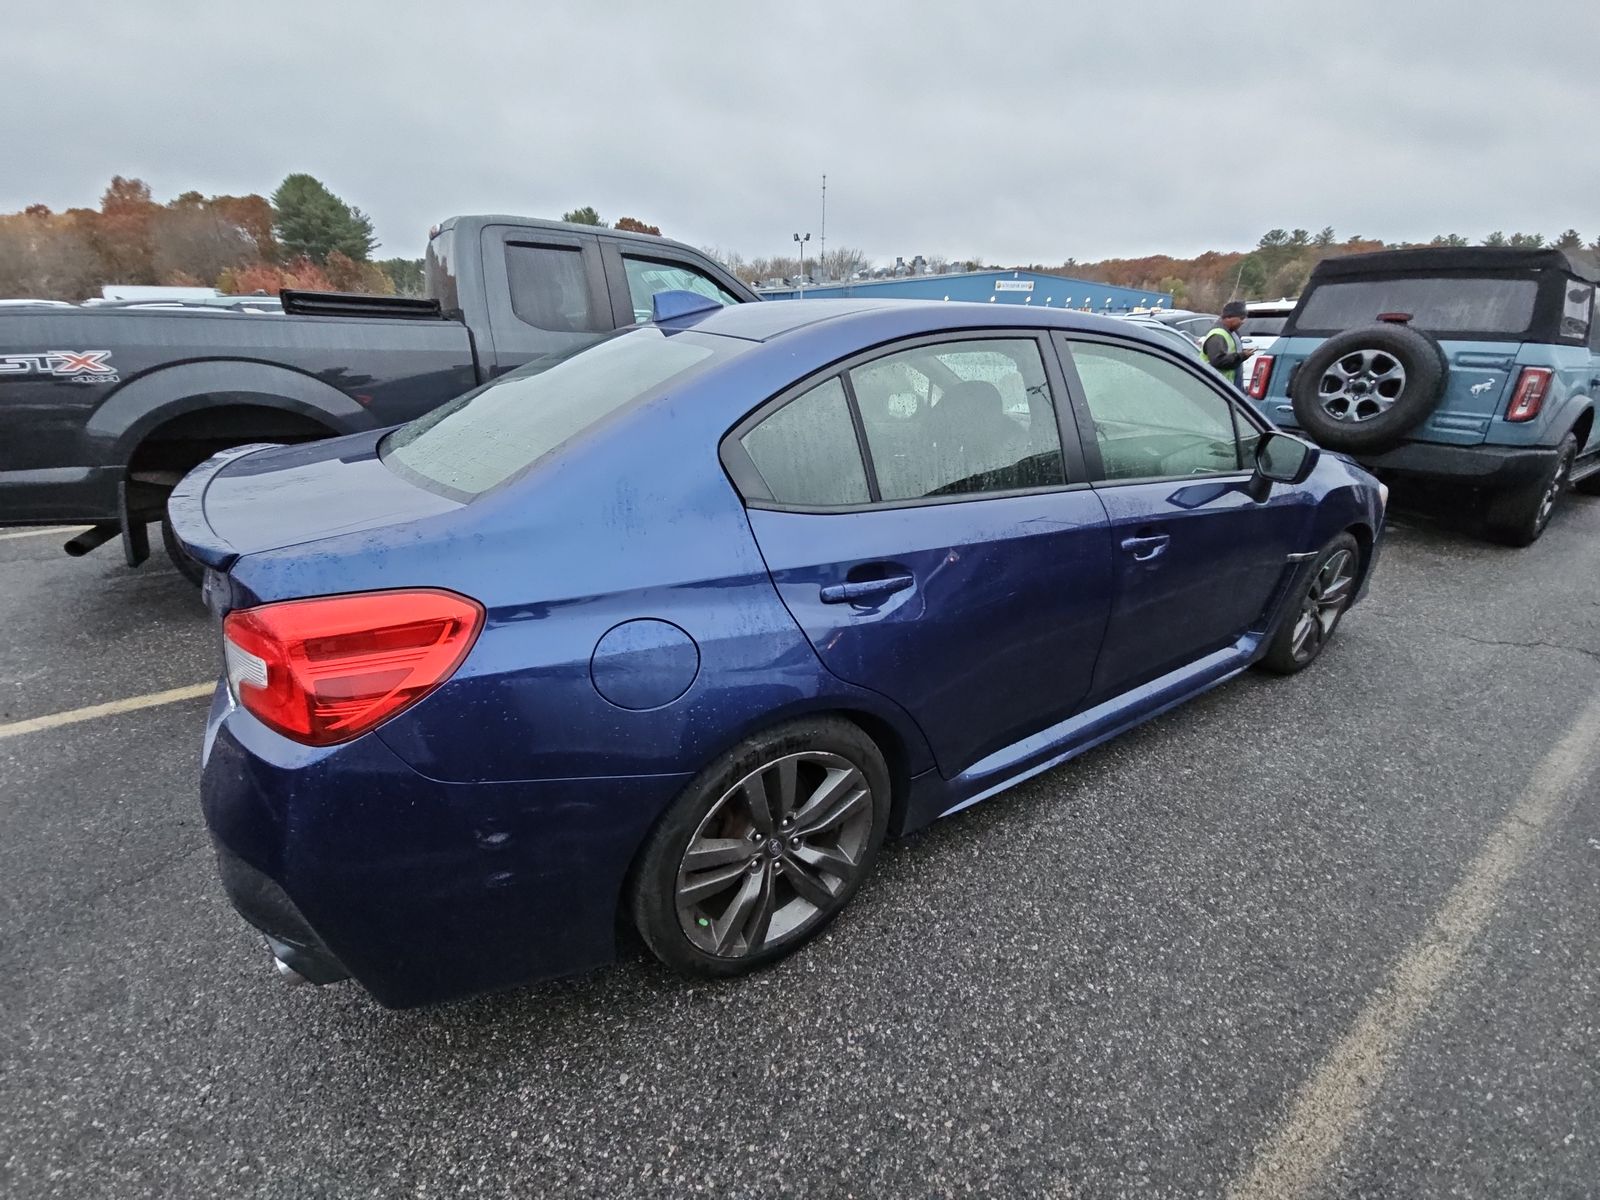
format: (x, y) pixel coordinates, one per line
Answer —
(405, 274)
(193, 240)
(629, 225)
(47, 257)
(122, 235)
(311, 222)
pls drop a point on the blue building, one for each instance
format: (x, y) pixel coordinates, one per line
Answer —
(991, 287)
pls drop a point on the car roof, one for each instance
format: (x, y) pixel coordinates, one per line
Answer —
(772, 319)
(1459, 258)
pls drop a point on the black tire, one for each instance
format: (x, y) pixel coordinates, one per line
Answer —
(1519, 515)
(188, 567)
(715, 796)
(1345, 404)
(1295, 645)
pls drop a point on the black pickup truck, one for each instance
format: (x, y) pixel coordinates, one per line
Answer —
(102, 411)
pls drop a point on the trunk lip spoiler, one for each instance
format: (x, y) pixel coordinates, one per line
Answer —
(186, 508)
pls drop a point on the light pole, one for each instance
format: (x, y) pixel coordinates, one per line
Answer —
(801, 242)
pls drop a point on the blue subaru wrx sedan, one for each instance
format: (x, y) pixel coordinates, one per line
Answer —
(673, 632)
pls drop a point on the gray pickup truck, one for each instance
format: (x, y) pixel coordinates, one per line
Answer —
(103, 410)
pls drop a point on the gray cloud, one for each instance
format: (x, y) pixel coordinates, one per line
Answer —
(1019, 132)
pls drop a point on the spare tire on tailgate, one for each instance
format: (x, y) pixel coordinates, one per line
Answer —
(1365, 389)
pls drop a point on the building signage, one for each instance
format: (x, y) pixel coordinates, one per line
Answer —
(1013, 285)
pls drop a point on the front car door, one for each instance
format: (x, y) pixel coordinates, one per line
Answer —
(1197, 561)
(931, 531)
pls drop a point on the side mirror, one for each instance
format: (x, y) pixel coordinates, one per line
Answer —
(1281, 458)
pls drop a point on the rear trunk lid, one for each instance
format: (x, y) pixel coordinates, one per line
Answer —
(255, 498)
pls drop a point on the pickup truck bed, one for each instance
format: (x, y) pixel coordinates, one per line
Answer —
(103, 410)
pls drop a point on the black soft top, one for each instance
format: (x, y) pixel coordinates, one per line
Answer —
(1466, 259)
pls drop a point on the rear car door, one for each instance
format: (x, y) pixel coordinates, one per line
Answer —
(939, 547)
(547, 294)
(1196, 561)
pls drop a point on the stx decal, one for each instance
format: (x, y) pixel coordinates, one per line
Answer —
(78, 366)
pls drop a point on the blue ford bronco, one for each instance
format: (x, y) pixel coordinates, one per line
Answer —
(1478, 367)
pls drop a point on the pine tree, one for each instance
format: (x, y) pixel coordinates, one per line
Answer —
(312, 222)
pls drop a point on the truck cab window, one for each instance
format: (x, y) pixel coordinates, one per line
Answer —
(550, 288)
(646, 277)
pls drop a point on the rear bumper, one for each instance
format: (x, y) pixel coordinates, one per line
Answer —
(421, 891)
(1474, 466)
(60, 495)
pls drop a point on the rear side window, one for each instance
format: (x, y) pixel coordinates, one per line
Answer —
(1577, 298)
(959, 418)
(806, 452)
(550, 288)
(487, 436)
(646, 277)
(1445, 304)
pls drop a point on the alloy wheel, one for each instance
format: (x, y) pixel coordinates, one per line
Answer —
(1325, 599)
(774, 853)
(1362, 385)
(1552, 493)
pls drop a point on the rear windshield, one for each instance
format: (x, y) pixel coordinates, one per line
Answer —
(483, 438)
(1445, 304)
(1264, 326)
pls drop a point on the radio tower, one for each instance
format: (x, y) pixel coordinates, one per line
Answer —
(822, 241)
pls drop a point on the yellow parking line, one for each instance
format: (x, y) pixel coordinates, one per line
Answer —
(109, 709)
(55, 529)
(1293, 1161)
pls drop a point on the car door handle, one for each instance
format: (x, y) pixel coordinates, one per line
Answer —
(1144, 549)
(865, 589)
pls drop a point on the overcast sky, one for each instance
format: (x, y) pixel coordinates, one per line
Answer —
(1006, 131)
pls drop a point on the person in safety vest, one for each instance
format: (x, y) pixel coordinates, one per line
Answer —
(1222, 347)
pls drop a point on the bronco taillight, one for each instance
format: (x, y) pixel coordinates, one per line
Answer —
(1529, 396)
(1260, 377)
(327, 670)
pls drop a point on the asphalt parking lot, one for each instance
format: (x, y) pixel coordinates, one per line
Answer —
(1336, 935)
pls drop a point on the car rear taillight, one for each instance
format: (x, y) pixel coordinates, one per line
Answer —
(1529, 396)
(327, 670)
(1260, 377)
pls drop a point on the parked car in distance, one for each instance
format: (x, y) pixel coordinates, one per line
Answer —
(1476, 367)
(104, 408)
(1192, 324)
(675, 631)
(1170, 335)
(1263, 323)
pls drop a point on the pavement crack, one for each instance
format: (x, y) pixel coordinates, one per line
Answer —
(1534, 645)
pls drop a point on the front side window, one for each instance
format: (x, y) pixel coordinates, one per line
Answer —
(1153, 419)
(485, 437)
(550, 288)
(646, 277)
(959, 418)
(806, 452)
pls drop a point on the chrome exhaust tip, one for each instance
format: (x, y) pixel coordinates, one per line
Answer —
(288, 974)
